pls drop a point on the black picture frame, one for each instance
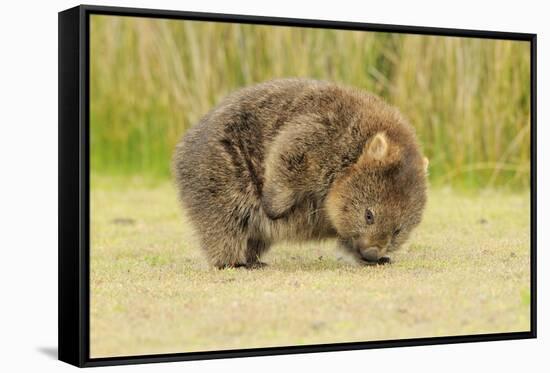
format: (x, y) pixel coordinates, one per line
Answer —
(74, 203)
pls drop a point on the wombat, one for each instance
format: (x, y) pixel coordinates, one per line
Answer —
(297, 159)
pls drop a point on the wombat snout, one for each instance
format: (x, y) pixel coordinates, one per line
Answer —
(370, 254)
(369, 251)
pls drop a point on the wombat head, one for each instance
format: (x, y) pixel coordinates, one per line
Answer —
(378, 201)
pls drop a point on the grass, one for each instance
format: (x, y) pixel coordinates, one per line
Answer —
(152, 79)
(466, 271)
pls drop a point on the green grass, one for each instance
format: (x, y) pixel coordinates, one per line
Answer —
(466, 271)
(153, 79)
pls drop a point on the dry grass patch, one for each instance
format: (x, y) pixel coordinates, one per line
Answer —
(466, 271)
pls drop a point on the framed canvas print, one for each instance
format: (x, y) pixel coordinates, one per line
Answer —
(234, 186)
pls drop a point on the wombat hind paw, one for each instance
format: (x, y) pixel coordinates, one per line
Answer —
(253, 265)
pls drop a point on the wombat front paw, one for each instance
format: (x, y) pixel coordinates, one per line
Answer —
(381, 261)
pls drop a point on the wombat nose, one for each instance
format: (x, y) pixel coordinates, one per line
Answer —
(371, 254)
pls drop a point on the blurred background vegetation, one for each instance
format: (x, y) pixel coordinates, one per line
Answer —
(152, 79)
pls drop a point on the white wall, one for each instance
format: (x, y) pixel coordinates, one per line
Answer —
(28, 182)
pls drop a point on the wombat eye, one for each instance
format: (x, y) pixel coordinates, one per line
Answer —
(369, 217)
(396, 232)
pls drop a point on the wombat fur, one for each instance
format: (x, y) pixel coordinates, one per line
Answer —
(297, 159)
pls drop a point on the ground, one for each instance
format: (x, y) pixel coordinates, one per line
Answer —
(466, 271)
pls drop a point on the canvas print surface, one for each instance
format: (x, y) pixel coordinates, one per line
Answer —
(265, 186)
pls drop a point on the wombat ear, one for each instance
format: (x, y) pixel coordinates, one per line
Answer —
(377, 148)
(425, 163)
(379, 151)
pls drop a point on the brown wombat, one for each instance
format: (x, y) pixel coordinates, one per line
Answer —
(297, 159)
